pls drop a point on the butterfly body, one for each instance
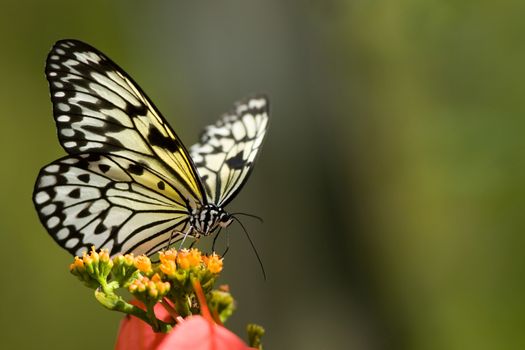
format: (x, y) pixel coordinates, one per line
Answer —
(128, 183)
(208, 218)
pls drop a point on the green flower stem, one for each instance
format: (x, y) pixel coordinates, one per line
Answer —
(116, 303)
(104, 285)
(153, 320)
(182, 305)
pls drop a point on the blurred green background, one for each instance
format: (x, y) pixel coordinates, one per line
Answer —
(392, 181)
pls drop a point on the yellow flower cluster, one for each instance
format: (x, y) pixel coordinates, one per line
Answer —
(91, 259)
(126, 269)
(92, 268)
(173, 278)
(143, 264)
(171, 261)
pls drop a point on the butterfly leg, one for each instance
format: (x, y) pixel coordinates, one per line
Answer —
(185, 235)
(194, 242)
(215, 239)
(171, 237)
(227, 244)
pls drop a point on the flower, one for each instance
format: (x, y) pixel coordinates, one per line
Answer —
(143, 264)
(194, 257)
(193, 333)
(92, 268)
(146, 289)
(168, 255)
(77, 265)
(197, 333)
(135, 334)
(176, 304)
(213, 263)
(168, 267)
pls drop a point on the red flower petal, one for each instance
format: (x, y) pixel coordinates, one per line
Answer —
(196, 333)
(135, 334)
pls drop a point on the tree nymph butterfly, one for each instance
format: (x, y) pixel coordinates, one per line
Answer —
(128, 183)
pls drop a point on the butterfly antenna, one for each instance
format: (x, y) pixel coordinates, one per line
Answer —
(253, 246)
(251, 216)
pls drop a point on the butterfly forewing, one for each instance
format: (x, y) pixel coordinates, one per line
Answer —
(225, 155)
(99, 109)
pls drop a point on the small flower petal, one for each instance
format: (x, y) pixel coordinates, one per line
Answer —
(194, 257)
(182, 259)
(197, 333)
(143, 263)
(213, 263)
(135, 334)
(167, 255)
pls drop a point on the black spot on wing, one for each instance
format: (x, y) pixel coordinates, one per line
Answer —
(110, 127)
(156, 138)
(136, 169)
(74, 193)
(136, 110)
(93, 157)
(161, 185)
(236, 162)
(104, 168)
(217, 149)
(100, 228)
(84, 178)
(84, 213)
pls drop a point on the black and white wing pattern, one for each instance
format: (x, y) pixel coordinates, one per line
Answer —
(226, 153)
(98, 108)
(128, 183)
(96, 200)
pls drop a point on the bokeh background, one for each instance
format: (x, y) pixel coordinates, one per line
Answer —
(392, 181)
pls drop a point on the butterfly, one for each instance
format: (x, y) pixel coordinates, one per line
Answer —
(128, 183)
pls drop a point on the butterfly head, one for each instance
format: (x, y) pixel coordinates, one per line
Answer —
(208, 218)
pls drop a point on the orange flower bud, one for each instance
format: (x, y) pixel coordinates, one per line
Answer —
(194, 257)
(143, 264)
(182, 259)
(213, 263)
(78, 264)
(168, 255)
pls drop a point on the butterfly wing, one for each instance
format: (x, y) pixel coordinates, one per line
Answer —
(128, 183)
(95, 200)
(226, 153)
(99, 109)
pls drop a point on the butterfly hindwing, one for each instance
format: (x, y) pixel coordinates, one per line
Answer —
(92, 199)
(99, 109)
(226, 153)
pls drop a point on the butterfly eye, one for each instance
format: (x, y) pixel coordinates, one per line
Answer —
(225, 220)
